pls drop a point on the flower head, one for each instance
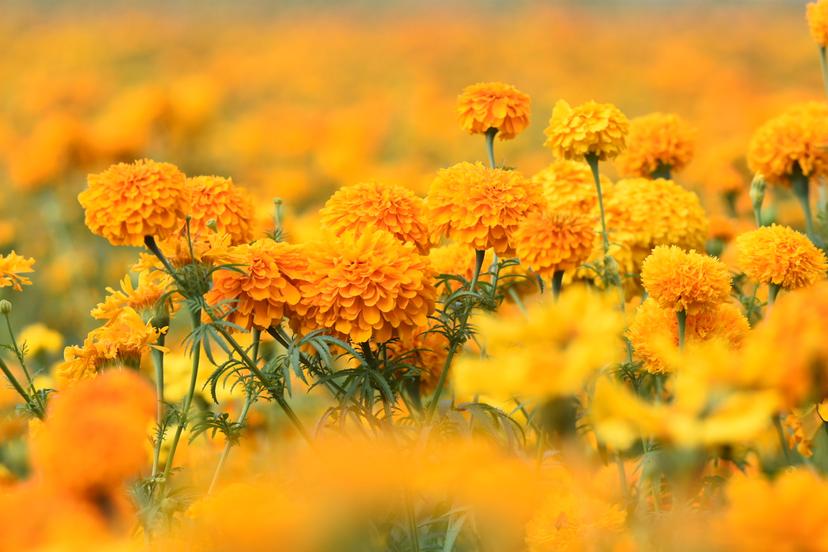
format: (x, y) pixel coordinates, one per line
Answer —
(588, 129)
(548, 242)
(817, 14)
(794, 140)
(656, 141)
(11, 268)
(124, 338)
(263, 289)
(144, 297)
(685, 281)
(368, 287)
(780, 255)
(493, 105)
(371, 205)
(569, 186)
(40, 338)
(93, 438)
(129, 201)
(479, 206)
(213, 198)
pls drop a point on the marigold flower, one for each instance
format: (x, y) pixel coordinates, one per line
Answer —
(790, 512)
(548, 242)
(569, 186)
(479, 206)
(108, 415)
(40, 338)
(11, 268)
(654, 331)
(796, 138)
(79, 363)
(129, 201)
(493, 105)
(124, 338)
(657, 142)
(817, 15)
(213, 198)
(364, 207)
(368, 287)
(780, 255)
(143, 297)
(261, 291)
(685, 281)
(591, 128)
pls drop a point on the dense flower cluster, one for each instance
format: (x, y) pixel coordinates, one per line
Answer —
(780, 255)
(685, 281)
(547, 242)
(219, 201)
(817, 13)
(493, 105)
(569, 186)
(657, 142)
(588, 129)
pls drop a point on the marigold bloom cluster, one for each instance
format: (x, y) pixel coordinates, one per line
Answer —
(493, 105)
(569, 186)
(479, 206)
(11, 268)
(685, 281)
(367, 287)
(794, 140)
(656, 142)
(371, 205)
(547, 242)
(219, 200)
(781, 256)
(598, 129)
(127, 202)
(817, 15)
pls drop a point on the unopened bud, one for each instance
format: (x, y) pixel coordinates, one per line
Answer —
(212, 225)
(5, 307)
(757, 190)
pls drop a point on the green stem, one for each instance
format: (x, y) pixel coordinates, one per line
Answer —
(158, 363)
(517, 300)
(592, 160)
(681, 316)
(823, 63)
(188, 399)
(773, 291)
(479, 255)
(17, 387)
(19, 354)
(557, 283)
(780, 431)
(413, 533)
(490, 136)
(441, 382)
(801, 189)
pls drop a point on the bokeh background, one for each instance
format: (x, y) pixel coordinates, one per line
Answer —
(294, 99)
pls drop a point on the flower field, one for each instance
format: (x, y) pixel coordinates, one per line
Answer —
(350, 276)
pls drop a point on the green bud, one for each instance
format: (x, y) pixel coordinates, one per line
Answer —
(757, 190)
(5, 307)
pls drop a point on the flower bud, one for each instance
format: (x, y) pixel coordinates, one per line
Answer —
(757, 190)
(5, 307)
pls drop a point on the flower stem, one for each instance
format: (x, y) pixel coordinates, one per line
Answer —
(662, 171)
(773, 291)
(490, 136)
(592, 161)
(479, 255)
(681, 316)
(557, 283)
(823, 63)
(801, 189)
(17, 387)
(158, 363)
(780, 431)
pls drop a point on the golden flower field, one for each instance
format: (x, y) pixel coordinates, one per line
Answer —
(384, 277)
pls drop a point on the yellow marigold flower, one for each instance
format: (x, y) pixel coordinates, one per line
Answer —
(368, 287)
(11, 268)
(493, 105)
(796, 139)
(143, 297)
(787, 351)
(129, 201)
(592, 128)
(646, 213)
(213, 198)
(788, 513)
(479, 206)
(93, 438)
(264, 289)
(370, 205)
(569, 186)
(653, 332)
(551, 351)
(548, 242)
(817, 14)
(656, 143)
(210, 248)
(40, 338)
(124, 338)
(685, 281)
(79, 363)
(780, 255)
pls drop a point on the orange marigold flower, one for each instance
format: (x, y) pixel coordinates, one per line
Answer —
(213, 198)
(11, 268)
(817, 14)
(493, 105)
(79, 363)
(569, 186)
(370, 205)
(479, 206)
(129, 201)
(780, 255)
(794, 140)
(591, 128)
(654, 331)
(368, 287)
(265, 288)
(94, 436)
(655, 143)
(123, 339)
(143, 297)
(685, 281)
(547, 241)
